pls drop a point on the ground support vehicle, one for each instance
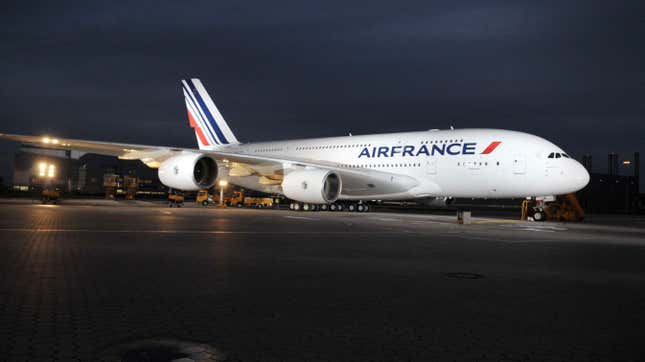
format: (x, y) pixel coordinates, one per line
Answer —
(204, 198)
(175, 200)
(49, 196)
(560, 208)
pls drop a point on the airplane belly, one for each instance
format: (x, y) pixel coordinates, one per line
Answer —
(356, 186)
(253, 183)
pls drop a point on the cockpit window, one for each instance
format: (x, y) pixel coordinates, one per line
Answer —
(557, 155)
(565, 155)
(551, 155)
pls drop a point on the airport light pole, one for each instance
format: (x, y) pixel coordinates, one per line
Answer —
(222, 185)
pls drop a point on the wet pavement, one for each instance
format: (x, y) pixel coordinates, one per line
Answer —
(124, 282)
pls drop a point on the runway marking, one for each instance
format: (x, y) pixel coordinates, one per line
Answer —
(202, 232)
(385, 219)
(536, 227)
(431, 222)
(299, 217)
(496, 221)
(540, 230)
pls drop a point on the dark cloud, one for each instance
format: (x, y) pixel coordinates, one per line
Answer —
(569, 71)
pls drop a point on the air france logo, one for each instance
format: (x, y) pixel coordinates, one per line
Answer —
(458, 148)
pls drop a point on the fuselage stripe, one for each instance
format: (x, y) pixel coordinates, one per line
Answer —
(200, 114)
(199, 120)
(207, 112)
(493, 145)
(198, 130)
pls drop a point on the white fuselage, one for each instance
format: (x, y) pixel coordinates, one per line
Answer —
(485, 163)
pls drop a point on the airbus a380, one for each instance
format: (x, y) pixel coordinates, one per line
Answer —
(477, 163)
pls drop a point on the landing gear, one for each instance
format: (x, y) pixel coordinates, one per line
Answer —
(538, 215)
(359, 207)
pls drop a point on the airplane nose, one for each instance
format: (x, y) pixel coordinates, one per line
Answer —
(579, 176)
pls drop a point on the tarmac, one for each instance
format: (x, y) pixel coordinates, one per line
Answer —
(140, 281)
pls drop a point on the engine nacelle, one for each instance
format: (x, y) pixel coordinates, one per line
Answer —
(313, 186)
(188, 172)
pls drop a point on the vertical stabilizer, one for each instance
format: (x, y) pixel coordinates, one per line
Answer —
(211, 130)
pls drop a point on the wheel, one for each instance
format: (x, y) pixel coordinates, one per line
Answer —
(170, 204)
(291, 206)
(306, 207)
(239, 205)
(351, 207)
(314, 207)
(333, 207)
(538, 215)
(324, 207)
(340, 207)
(204, 203)
(360, 208)
(296, 207)
(366, 208)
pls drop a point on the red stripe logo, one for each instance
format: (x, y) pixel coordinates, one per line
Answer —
(491, 147)
(198, 130)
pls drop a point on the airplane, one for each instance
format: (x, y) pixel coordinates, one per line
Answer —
(330, 172)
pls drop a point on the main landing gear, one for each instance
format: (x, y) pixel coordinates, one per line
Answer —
(351, 206)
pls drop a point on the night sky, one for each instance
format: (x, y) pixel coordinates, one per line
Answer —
(570, 71)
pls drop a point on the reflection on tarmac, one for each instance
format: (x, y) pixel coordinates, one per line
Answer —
(81, 282)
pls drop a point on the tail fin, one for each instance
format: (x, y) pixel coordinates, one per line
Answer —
(210, 127)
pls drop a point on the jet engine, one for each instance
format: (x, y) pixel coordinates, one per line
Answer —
(313, 186)
(188, 172)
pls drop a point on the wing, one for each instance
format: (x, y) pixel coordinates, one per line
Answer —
(265, 170)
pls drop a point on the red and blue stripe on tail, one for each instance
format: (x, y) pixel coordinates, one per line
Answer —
(210, 127)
